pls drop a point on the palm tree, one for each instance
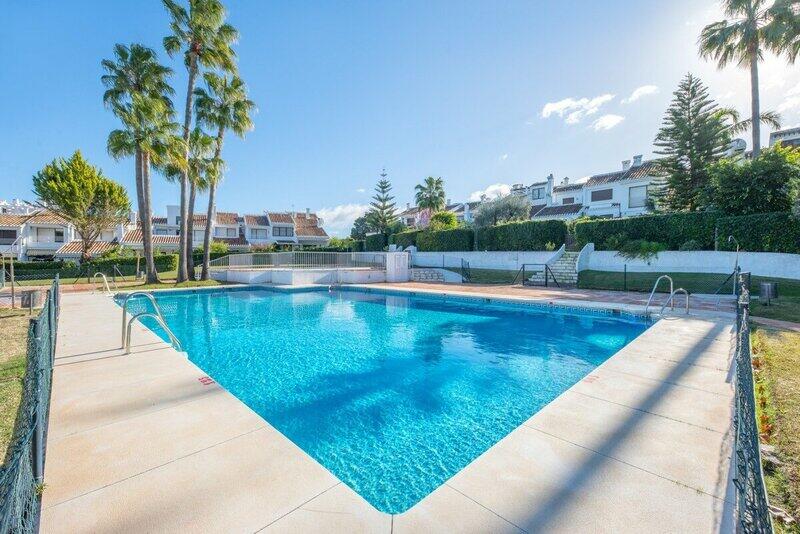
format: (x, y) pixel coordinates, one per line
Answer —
(737, 125)
(138, 93)
(222, 106)
(201, 161)
(205, 40)
(751, 28)
(430, 194)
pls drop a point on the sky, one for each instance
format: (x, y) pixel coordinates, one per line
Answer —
(484, 94)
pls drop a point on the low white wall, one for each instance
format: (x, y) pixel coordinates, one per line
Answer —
(289, 277)
(701, 261)
(507, 261)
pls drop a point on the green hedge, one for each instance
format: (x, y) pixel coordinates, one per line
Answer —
(164, 262)
(358, 245)
(405, 239)
(672, 229)
(42, 265)
(375, 242)
(459, 239)
(526, 235)
(762, 232)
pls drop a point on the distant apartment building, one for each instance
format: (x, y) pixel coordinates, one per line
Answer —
(788, 137)
(44, 235)
(621, 193)
(414, 217)
(17, 207)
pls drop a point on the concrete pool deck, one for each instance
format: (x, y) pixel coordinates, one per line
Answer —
(147, 443)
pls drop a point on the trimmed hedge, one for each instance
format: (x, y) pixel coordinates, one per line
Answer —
(672, 229)
(761, 232)
(405, 239)
(459, 239)
(42, 265)
(525, 235)
(358, 245)
(375, 243)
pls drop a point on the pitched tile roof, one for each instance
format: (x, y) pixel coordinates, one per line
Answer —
(600, 179)
(227, 218)
(647, 168)
(308, 226)
(256, 220)
(135, 237)
(13, 220)
(568, 187)
(280, 218)
(536, 209)
(76, 247)
(564, 209)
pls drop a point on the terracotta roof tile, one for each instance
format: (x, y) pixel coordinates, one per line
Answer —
(256, 220)
(13, 220)
(76, 247)
(565, 209)
(281, 218)
(227, 218)
(135, 237)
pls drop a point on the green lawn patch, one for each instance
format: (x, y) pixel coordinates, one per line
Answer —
(13, 356)
(776, 359)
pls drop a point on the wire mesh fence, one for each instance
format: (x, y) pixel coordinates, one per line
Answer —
(21, 474)
(625, 280)
(301, 260)
(751, 498)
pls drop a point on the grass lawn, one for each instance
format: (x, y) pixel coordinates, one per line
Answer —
(127, 282)
(13, 348)
(490, 276)
(776, 357)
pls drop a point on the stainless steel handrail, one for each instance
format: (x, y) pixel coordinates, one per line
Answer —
(125, 309)
(173, 339)
(679, 290)
(105, 281)
(653, 292)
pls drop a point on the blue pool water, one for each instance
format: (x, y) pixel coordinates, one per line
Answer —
(393, 394)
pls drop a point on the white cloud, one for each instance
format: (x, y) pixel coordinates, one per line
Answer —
(606, 122)
(639, 92)
(361, 190)
(503, 157)
(790, 104)
(338, 220)
(493, 191)
(576, 109)
(794, 91)
(727, 96)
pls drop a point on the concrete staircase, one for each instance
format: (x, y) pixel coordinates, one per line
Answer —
(564, 269)
(426, 275)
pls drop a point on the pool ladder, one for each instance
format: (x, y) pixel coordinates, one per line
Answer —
(671, 299)
(158, 316)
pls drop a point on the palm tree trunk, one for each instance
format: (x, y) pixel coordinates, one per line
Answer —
(190, 230)
(187, 125)
(140, 200)
(755, 103)
(212, 191)
(147, 228)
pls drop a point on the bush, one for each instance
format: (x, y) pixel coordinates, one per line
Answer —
(164, 263)
(443, 220)
(375, 242)
(405, 239)
(459, 239)
(358, 245)
(762, 232)
(672, 229)
(691, 245)
(639, 249)
(527, 235)
(41, 265)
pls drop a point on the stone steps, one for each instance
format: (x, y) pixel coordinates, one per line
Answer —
(426, 275)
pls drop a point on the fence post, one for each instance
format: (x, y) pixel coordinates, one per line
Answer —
(11, 270)
(37, 449)
(625, 277)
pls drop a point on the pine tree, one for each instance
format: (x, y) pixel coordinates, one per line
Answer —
(382, 213)
(692, 137)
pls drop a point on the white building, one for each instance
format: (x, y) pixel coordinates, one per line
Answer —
(33, 236)
(17, 207)
(787, 137)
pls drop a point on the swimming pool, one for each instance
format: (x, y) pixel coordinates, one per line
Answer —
(393, 394)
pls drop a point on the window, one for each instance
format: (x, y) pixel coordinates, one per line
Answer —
(160, 231)
(59, 236)
(568, 200)
(537, 194)
(283, 231)
(602, 194)
(233, 232)
(258, 233)
(7, 237)
(199, 235)
(637, 196)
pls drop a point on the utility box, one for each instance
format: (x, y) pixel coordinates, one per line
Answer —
(767, 291)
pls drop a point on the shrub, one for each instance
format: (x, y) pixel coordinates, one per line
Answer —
(375, 242)
(762, 232)
(691, 245)
(358, 245)
(216, 247)
(672, 229)
(164, 262)
(527, 235)
(41, 265)
(459, 239)
(443, 220)
(405, 239)
(640, 249)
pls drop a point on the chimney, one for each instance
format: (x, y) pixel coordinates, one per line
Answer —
(308, 213)
(449, 201)
(408, 205)
(565, 181)
(626, 164)
(637, 160)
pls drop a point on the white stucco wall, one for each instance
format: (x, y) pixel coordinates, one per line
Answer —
(507, 261)
(701, 261)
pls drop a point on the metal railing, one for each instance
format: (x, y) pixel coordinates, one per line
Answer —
(530, 273)
(21, 477)
(301, 260)
(671, 293)
(125, 301)
(752, 506)
(158, 318)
